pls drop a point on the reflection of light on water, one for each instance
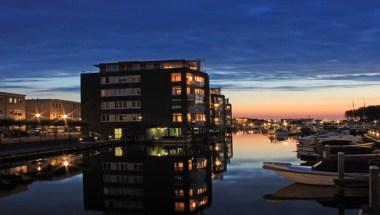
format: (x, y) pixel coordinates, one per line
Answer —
(65, 163)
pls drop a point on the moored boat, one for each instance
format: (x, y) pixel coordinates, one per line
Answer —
(323, 173)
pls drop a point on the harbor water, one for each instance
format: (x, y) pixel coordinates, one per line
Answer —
(237, 184)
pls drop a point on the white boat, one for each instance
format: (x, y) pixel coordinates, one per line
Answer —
(307, 150)
(308, 175)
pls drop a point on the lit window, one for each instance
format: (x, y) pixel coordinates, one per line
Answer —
(177, 117)
(189, 78)
(179, 192)
(176, 90)
(178, 166)
(199, 79)
(176, 77)
(199, 91)
(179, 206)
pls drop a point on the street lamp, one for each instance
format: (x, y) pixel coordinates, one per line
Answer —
(64, 116)
(37, 115)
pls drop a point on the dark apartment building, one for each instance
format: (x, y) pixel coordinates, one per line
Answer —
(220, 111)
(51, 109)
(147, 99)
(152, 180)
(12, 106)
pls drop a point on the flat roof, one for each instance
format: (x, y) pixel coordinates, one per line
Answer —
(14, 94)
(148, 61)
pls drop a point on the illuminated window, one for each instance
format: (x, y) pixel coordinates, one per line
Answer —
(178, 166)
(118, 151)
(188, 90)
(176, 90)
(199, 79)
(176, 77)
(199, 92)
(177, 117)
(189, 78)
(179, 206)
(118, 132)
(179, 192)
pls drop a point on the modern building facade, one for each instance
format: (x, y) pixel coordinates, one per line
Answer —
(147, 99)
(52, 109)
(12, 106)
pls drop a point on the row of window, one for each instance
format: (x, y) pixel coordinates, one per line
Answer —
(121, 105)
(123, 179)
(120, 92)
(15, 100)
(190, 78)
(132, 117)
(192, 192)
(197, 117)
(123, 191)
(177, 90)
(122, 166)
(65, 105)
(123, 204)
(121, 79)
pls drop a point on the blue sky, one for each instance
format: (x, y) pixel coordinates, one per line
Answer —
(261, 49)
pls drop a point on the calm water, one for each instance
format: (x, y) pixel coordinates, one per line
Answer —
(73, 184)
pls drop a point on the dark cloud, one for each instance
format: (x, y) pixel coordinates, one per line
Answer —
(73, 89)
(238, 40)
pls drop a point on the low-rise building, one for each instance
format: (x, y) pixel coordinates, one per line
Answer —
(51, 109)
(12, 106)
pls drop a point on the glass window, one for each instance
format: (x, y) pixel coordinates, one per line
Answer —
(176, 90)
(176, 77)
(177, 117)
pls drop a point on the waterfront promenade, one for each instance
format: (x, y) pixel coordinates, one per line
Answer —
(20, 151)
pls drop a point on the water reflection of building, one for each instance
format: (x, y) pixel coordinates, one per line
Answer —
(150, 180)
(221, 153)
(16, 177)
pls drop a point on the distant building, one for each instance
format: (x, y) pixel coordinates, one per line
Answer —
(51, 109)
(12, 106)
(146, 99)
(220, 111)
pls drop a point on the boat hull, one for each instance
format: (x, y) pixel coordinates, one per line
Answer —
(305, 175)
